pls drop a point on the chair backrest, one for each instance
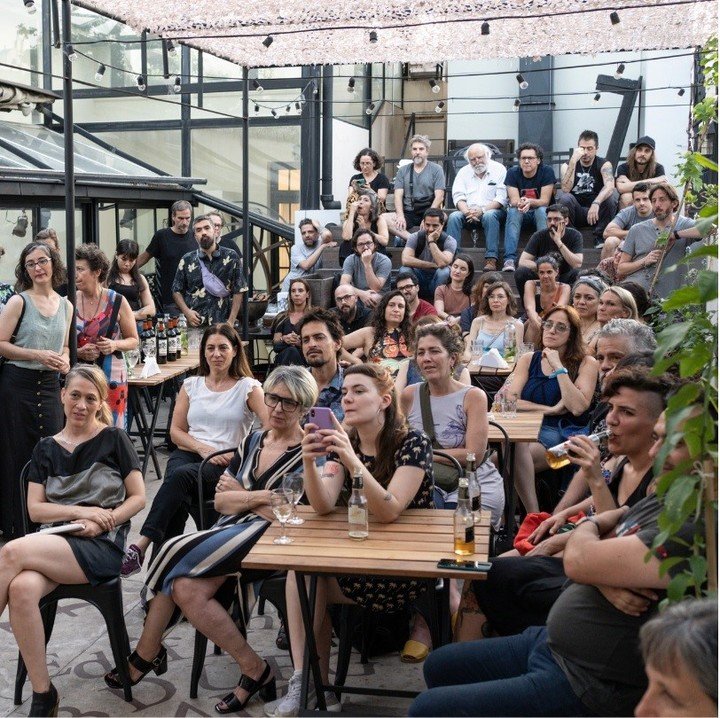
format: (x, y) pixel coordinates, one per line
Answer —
(508, 483)
(201, 492)
(23, 498)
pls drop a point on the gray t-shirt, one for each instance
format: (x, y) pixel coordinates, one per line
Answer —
(424, 183)
(628, 217)
(382, 266)
(299, 253)
(641, 240)
(449, 244)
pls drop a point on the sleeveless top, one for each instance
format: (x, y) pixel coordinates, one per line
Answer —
(538, 298)
(219, 418)
(449, 417)
(131, 292)
(587, 182)
(40, 332)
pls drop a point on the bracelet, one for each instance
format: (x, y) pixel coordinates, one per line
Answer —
(588, 519)
(597, 203)
(557, 372)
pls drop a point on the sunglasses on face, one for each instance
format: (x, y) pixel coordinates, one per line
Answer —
(287, 405)
(559, 327)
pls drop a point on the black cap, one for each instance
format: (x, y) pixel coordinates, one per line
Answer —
(645, 140)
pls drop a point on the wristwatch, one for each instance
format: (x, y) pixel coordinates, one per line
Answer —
(676, 234)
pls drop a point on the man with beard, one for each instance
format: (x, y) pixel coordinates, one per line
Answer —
(223, 241)
(352, 313)
(321, 341)
(642, 249)
(209, 282)
(480, 196)
(407, 283)
(639, 211)
(306, 256)
(639, 167)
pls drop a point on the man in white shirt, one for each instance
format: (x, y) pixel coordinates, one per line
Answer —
(480, 197)
(306, 257)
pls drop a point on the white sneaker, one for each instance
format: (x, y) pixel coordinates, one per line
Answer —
(509, 266)
(289, 704)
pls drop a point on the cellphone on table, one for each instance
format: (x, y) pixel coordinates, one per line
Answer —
(464, 565)
(322, 417)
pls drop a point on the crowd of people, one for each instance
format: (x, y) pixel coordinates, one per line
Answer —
(390, 362)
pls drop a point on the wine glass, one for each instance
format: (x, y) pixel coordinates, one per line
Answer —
(282, 508)
(132, 357)
(294, 489)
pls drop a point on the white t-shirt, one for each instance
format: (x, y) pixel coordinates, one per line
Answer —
(219, 418)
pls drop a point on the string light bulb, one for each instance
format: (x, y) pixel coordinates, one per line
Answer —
(257, 87)
(274, 114)
(614, 18)
(434, 86)
(521, 81)
(485, 28)
(287, 109)
(619, 71)
(70, 52)
(439, 107)
(351, 86)
(171, 47)
(140, 79)
(26, 108)
(681, 92)
(257, 107)
(516, 106)
(373, 36)
(177, 85)
(267, 42)
(30, 6)
(369, 109)
(100, 72)
(597, 97)
(298, 106)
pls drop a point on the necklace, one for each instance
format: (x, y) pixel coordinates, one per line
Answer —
(70, 442)
(97, 305)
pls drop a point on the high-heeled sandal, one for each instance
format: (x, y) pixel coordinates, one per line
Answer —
(266, 689)
(45, 704)
(158, 664)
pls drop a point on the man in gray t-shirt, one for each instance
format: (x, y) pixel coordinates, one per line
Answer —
(640, 255)
(617, 230)
(366, 270)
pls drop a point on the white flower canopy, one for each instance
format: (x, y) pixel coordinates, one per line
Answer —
(328, 31)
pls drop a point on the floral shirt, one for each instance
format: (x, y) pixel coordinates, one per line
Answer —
(6, 291)
(226, 266)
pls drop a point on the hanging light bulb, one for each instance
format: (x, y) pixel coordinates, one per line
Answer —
(521, 81)
(257, 107)
(26, 108)
(70, 52)
(141, 83)
(315, 88)
(177, 85)
(369, 109)
(100, 72)
(171, 47)
(597, 97)
(614, 18)
(351, 86)
(373, 36)
(516, 106)
(30, 6)
(274, 114)
(257, 87)
(681, 92)
(619, 71)
(485, 28)
(287, 109)
(298, 106)
(267, 42)
(439, 107)
(434, 86)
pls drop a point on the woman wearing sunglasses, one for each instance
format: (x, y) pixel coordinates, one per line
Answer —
(214, 410)
(558, 380)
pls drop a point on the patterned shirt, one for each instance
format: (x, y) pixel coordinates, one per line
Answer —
(226, 266)
(331, 396)
(6, 291)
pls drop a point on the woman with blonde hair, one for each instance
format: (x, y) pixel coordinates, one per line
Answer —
(616, 303)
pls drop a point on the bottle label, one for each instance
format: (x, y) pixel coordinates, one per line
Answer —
(357, 515)
(162, 347)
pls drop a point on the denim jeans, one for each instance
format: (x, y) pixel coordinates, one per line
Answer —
(490, 221)
(516, 220)
(578, 213)
(430, 279)
(509, 676)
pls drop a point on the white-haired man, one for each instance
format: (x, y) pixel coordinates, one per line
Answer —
(480, 197)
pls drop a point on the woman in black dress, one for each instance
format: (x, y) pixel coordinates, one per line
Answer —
(88, 474)
(286, 341)
(124, 277)
(396, 463)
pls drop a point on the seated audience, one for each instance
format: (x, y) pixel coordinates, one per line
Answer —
(639, 294)
(480, 197)
(396, 464)
(559, 379)
(542, 295)
(641, 253)
(586, 661)
(497, 308)
(213, 410)
(478, 292)
(367, 163)
(87, 474)
(429, 253)
(286, 340)
(616, 303)
(408, 284)
(388, 337)
(191, 569)
(558, 237)
(366, 269)
(640, 167)
(363, 214)
(680, 650)
(351, 312)
(306, 256)
(124, 278)
(530, 188)
(453, 297)
(639, 211)
(609, 266)
(585, 299)
(587, 188)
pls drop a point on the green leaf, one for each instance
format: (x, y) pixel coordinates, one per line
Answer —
(698, 569)
(669, 563)
(683, 297)
(710, 250)
(691, 364)
(678, 586)
(671, 336)
(705, 161)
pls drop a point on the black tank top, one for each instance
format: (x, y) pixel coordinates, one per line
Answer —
(588, 182)
(131, 292)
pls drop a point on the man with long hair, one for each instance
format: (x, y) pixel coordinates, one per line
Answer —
(641, 166)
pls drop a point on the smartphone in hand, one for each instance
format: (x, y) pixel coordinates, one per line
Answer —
(322, 417)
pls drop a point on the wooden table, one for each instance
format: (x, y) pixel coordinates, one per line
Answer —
(411, 546)
(476, 370)
(146, 429)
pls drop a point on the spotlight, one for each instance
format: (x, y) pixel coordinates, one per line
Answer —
(177, 85)
(26, 108)
(70, 52)
(257, 108)
(351, 86)
(434, 86)
(597, 97)
(619, 71)
(614, 18)
(31, 9)
(267, 42)
(516, 106)
(171, 47)
(100, 72)
(369, 109)
(485, 28)
(21, 226)
(257, 87)
(373, 36)
(681, 92)
(439, 107)
(140, 79)
(521, 81)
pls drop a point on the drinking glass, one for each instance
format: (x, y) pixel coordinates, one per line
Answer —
(132, 357)
(525, 349)
(476, 353)
(294, 489)
(509, 406)
(282, 508)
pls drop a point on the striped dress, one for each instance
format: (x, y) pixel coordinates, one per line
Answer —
(218, 551)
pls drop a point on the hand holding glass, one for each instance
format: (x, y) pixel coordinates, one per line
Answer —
(294, 490)
(282, 508)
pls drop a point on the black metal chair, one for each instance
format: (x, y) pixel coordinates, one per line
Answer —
(504, 455)
(106, 597)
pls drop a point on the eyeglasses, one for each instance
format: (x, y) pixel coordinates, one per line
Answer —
(217, 224)
(40, 263)
(362, 245)
(288, 405)
(406, 288)
(528, 159)
(559, 327)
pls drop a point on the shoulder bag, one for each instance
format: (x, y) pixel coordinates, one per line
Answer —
(446, 476)
(3, 360)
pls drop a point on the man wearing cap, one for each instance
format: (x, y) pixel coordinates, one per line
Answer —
(640, 166)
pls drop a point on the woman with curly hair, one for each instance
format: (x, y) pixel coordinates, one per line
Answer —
(367, 162)
(559, 379)
(388, 338)
(364, 213)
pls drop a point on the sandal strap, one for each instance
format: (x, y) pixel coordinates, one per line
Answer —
(250, 684)
(137, 661)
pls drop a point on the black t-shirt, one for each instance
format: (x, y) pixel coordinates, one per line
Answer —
(541, 243)
(530, 186)
(623, 170)
(380, 182)
(230, 243)
(588, 182)
(362, 314)
(168, 248)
